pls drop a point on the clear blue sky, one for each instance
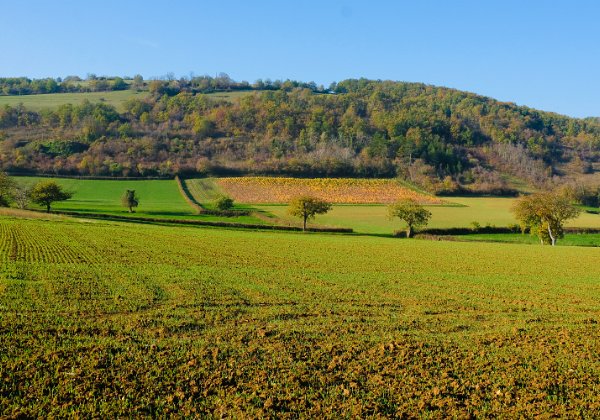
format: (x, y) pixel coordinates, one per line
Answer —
(543, 54)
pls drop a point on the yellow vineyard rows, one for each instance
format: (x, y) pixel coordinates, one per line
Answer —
(335, 190)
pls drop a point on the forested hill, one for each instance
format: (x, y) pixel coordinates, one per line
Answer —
(437, 137)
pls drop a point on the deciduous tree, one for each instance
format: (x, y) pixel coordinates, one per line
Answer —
(544, 214)
(45, 193)
(130, 200)
(307, 207)
(411, 212)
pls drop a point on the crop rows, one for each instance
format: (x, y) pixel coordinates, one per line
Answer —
(258, 190)
(119, 320)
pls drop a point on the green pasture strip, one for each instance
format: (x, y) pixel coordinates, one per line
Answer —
(204, 190)
(156, 197)
(570, 239)
(54, 100)
(373, 219)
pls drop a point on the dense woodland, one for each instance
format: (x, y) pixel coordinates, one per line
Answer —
(439, 138)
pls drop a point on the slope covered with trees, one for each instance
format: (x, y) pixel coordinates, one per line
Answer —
(439, 138)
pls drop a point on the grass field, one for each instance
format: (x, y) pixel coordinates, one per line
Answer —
(230, 96)
(157, 197)
(374, 218)
(54, 100)
(103, 319)
(570, 239)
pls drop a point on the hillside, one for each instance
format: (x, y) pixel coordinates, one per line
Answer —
(442, 139)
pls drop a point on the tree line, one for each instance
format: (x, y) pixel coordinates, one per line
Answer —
(441, 139)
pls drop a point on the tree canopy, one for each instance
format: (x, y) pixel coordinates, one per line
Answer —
(130, 200)
(307, 207)
(410, 212)
(544, 214)
(442, 139)
(45, 193)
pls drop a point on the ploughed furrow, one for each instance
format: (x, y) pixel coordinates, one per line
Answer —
(6, 242)
(26, 242)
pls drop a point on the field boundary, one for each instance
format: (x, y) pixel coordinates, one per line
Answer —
(199, 222)
(183, 190)
(191, 200)
(90, 177)
(494, 229)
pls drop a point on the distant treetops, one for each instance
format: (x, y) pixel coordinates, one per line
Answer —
(444, 140)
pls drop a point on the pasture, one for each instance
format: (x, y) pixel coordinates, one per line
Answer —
(157, 197)
(373, 219)
(54, 100)
(105, 319)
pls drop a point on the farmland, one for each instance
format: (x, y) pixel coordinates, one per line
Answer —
(162, 199)
(335, 190)
(209, 321)
(372, 219)
(158, 199)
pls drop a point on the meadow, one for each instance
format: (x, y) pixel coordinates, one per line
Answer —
(162, 199)
(105, 319)
(461, 212)
(157, 199)
(115, 98)
(54, 100)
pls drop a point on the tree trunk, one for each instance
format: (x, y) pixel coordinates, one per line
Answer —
(47, 208)
(552, 238)
(409, 231)
(304, 224)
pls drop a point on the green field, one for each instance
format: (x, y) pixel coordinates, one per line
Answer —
(230, 96)
(570, 239)
(54, 100)
(157, 197)
(108, 319)
(373, 219)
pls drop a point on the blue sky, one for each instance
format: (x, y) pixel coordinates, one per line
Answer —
(543, 54)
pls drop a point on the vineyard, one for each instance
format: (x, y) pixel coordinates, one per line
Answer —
(256, 190)
(106, 319)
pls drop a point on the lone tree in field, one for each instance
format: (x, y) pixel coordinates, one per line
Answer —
(411, 212)
(45, 193)
(544, 214)
(307, 207)
(130, 200)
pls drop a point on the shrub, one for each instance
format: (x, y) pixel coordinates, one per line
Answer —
(224, 203)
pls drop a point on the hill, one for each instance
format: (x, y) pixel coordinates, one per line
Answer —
(444, 140)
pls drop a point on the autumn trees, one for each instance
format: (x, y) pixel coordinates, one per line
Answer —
(435, 137)
(544, 214)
